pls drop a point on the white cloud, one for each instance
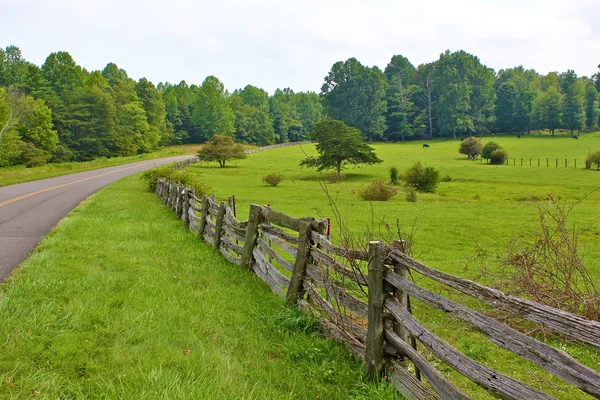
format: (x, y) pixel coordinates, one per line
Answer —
(272, 44)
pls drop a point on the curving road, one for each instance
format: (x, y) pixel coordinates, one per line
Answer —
(29, 210)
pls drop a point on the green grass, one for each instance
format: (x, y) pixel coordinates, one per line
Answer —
(484, 205)
(121, 301)
(19, 174)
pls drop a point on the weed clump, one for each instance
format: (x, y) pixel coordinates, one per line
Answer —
(273, 179)
(411, 194)
(377, 191)
(152, 176)
(334, 176)
(593, 158)
(423, 179)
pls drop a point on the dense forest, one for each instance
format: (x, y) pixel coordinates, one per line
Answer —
(62, 112)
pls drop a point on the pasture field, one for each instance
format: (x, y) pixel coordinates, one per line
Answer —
(120, 301)
(483, 205)
(19, 174)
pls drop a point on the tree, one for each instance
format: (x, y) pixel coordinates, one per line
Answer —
(355, 94)
(573, 116)
(211, 111)
(221, 148)
(591, 107)
(471, 147)
(339, 145)
(547, 111)
(489, 149)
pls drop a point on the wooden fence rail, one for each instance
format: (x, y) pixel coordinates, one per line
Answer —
(362, 298)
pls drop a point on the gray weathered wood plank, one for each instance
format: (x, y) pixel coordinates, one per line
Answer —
(572, 325)
(493, 381)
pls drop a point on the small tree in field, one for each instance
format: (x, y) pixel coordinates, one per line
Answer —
(488, 149)
(338, 145)
(471, 147)
(221, 149)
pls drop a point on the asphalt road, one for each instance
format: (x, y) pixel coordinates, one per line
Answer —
(29, 210)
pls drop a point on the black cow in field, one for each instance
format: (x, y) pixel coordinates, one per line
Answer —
(518, 136)
(425, 145)
(576, 137)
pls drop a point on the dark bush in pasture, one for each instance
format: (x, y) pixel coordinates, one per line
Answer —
(447, 178)
(273, 179)
(471, 147)
(423, 179)
(377, 191)
(394, 179)
(499, 156)
(411, 194)
(151, 177)
(593, 158)
(488, 149)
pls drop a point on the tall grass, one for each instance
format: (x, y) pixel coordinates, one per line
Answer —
(120, 301)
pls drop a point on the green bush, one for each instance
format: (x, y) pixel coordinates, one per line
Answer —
(31, 156)
(593, 158)
(394, 176)
(488, 149)
(377, 191)
(471, 147)
(273, 179)
(423, 179)
(151, 177)
(498, 157)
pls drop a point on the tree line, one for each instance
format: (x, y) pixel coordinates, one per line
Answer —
(60, 112)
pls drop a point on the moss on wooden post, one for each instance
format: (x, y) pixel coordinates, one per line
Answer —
(219, 225)
(251, 235)
(203, 216)
(374, 350)
(295, 289)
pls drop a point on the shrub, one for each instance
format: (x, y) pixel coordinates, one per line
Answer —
(471, 147)
(411, 194)
(31, 156)
(273, 179)
(488, 149)
(151, 177)
(499, 156)
(447, 178)
(394, 175)
(593, 158)
(377, 191)
(423, 179)
(334, 176)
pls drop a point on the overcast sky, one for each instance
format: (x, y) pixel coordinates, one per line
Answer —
(278, 43)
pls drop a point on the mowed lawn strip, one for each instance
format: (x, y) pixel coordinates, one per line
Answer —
(121, 301)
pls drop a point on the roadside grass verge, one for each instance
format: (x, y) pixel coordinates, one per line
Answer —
(19, 174)
(121, 301)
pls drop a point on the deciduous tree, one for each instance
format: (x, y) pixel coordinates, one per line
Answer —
(222, 148)
(339, 145)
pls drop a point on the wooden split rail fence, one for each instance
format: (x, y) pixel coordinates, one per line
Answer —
(362, 298)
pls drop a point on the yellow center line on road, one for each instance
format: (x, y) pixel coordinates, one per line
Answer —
(66, 184)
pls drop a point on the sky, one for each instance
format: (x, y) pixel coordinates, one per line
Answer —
(277, 43)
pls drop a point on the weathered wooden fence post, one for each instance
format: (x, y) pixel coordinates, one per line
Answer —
(374, 350)
(295, 289)
(251, 234)
(203, 216)
(399, 329)
(186, 207)
(219, 225)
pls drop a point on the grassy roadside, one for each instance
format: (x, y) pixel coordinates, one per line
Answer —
(19, 174)
(120, 301)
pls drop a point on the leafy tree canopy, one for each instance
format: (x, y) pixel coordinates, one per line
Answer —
(339, 145)
(222, 148)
